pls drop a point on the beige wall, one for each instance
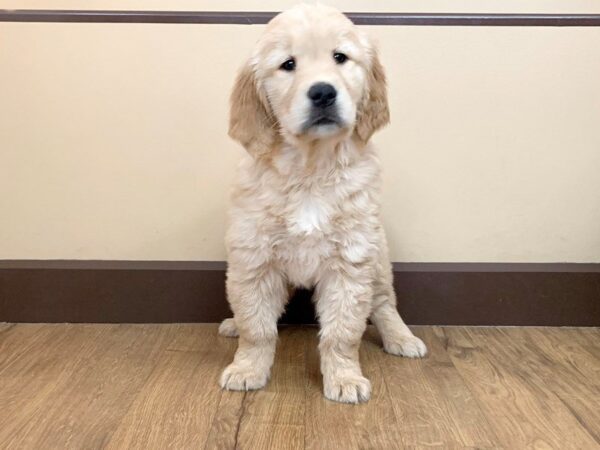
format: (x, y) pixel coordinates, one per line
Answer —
(113, 140)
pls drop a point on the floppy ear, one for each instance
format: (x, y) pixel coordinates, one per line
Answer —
(373, 112)
(251, 121)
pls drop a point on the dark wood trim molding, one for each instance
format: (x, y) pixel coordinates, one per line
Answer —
(496, 267)
(103, 264)
(194, 291)
(259, 17)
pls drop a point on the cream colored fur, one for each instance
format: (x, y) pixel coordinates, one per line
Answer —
(305, 208)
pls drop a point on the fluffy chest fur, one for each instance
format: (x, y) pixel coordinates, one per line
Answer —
(300, 211)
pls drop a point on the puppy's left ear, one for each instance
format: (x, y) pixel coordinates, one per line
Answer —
(251, 121)
(373, 112)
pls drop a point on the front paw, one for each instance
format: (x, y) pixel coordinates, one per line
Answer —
(243, 378)
(408, 346)
(347, 388)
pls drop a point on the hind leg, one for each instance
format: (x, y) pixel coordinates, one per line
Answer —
(228, 328)
(396, 336)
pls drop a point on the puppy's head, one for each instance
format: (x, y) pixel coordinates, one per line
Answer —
(313, 75)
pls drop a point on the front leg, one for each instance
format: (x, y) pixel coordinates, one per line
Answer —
(343, 297)
(257, 298)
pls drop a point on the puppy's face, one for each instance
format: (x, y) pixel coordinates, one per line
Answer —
(313, 75)
(313, 67)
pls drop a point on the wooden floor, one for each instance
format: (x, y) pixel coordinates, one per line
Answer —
(155, 386)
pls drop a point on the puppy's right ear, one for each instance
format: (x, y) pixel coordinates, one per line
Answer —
(251, 120)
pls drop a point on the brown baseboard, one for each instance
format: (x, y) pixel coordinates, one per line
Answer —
(186, 291)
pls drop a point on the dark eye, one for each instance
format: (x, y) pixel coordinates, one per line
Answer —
(288, 65)
(340, 58)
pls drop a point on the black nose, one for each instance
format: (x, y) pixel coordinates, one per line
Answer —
(322, 95)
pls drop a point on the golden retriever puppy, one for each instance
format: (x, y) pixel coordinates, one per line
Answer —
(305, 208)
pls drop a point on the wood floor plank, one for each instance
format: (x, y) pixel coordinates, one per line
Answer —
(435, 407)
(571, 347)
(4, 326)
(28, 379)
(589, 338)
(103, 386)
(380, 426)
(553, 366)
(17, 340)
(93, 379)
(521, 415)
(176, 406)
(155, 386)
(224, 430)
